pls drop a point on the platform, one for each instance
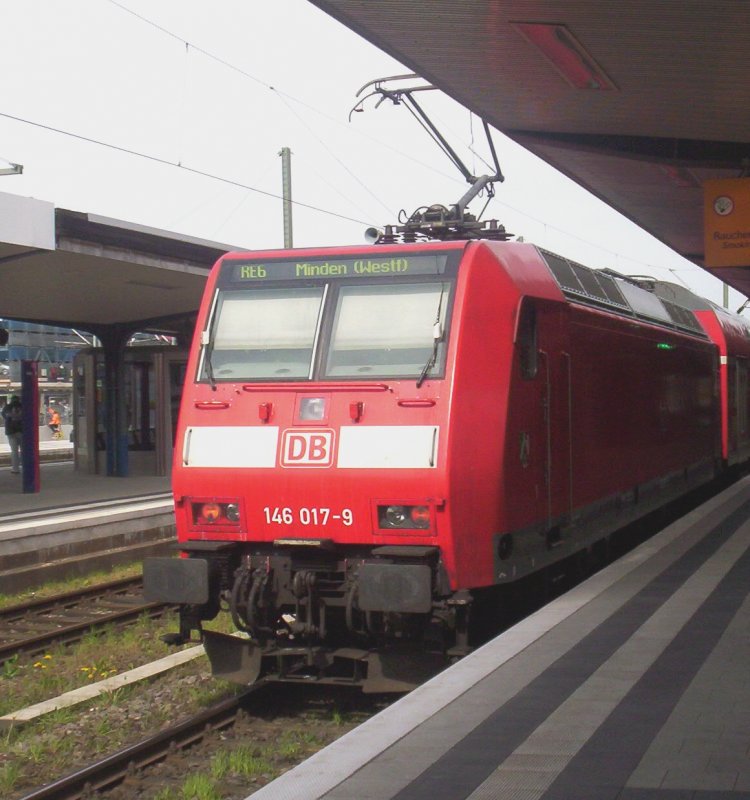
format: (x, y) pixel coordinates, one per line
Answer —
(635, 685)
(78, 523)
(52, 450)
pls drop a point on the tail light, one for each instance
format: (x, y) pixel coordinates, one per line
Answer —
(420, 516)
(210, 512)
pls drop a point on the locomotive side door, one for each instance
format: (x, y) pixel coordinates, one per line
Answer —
(526, 459)
(555, 360)
(540, 427)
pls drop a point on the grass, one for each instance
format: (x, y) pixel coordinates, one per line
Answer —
(71, 584)
(243, 761)
(115, 697)
(290, 750)
(245, 764)
(10, 668)
(199, 787)
(204, 696)
(67, 667)
(95, 728)
(267, 746)
(166, 794)
(9, 774)
(99, 655)
(106, 724)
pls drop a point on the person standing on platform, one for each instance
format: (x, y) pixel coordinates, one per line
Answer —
(13, 419)
(54, 423)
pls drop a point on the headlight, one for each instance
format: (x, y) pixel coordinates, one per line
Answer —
(395, 516)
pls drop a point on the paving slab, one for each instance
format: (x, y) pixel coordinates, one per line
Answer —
(633, 686)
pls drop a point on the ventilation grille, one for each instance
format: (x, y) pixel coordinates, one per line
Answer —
(597, 288)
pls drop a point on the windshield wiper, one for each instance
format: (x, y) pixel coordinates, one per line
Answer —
(437, 336)
(208, 348)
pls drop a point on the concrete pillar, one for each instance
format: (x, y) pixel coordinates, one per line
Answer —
(115, 417)
(30, 440)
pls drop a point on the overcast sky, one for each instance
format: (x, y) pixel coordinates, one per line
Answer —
(115, 107)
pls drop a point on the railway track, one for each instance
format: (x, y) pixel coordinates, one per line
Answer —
(128, 768)
(112, 770)
(30, 628)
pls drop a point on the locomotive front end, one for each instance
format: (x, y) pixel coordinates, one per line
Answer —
(309, 473)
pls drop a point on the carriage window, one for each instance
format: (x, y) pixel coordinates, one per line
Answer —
(262, 334)
(526, 341)
(388, 330)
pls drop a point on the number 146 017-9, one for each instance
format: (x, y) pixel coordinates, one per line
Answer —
(283, 515)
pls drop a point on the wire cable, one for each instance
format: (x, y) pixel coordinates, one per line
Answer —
(177, 165)
(283, 96)
(241, 185)
(335, 158)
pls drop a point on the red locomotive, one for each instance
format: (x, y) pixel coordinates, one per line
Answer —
(370, 435)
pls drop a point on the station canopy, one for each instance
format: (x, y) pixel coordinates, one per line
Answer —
(80, 270)
(640, 101)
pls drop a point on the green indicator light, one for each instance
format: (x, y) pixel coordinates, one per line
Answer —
(664, 346)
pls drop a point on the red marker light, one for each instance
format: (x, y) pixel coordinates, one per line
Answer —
(264, 411)
(211, 512)
(420, 516)
(356, 410)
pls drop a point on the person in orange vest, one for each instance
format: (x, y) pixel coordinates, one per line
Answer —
(54, 423)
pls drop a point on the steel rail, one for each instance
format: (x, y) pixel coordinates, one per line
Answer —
(113, 769)
(58, 631)
(71, 598)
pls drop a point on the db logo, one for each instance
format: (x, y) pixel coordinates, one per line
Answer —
(307, 448)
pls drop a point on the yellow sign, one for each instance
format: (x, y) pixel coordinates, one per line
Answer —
(726, 214)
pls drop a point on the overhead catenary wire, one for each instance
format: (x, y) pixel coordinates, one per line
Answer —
(287, 99)
(175, 164)
(603, 248)
(231, 182)
(291, 99)
(335, 158)
(239, 184)
(282, 96)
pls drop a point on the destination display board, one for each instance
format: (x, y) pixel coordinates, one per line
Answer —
(357, 266)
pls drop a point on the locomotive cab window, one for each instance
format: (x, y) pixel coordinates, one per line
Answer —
(262, 334)
(388, 330)
(526, 340)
